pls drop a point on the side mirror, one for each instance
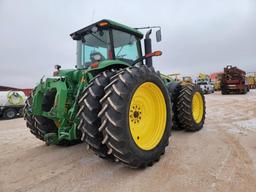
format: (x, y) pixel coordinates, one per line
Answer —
(158, 35)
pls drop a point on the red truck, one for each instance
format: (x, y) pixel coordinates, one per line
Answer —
(234, 81)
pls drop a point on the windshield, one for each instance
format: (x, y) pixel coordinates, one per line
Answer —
(126, 46)
(93, 47)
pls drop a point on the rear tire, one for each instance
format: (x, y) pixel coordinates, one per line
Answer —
(117, 122)
(245, 90)
(89, 107)
(191, 107)
(224, 91)
(174, 91)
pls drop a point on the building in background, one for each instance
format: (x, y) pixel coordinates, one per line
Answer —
(27, 91)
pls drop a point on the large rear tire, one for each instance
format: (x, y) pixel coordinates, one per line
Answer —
(191, 107)
(89, 107)
(136, 117)
(174, 89)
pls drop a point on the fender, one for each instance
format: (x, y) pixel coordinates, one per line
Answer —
(173, 88)
(107, 64)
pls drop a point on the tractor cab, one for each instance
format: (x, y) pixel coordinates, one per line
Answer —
(107, 40)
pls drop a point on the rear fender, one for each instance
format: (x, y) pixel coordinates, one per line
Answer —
(173, 86)
(106, 65)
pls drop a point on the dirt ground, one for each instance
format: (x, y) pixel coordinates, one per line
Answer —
(220, 157)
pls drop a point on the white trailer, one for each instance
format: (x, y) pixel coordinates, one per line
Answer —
(11, 103)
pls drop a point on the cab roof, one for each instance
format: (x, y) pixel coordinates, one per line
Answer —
(109, 24)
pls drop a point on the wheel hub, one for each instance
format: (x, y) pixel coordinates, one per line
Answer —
(135, 114)
(147, 116)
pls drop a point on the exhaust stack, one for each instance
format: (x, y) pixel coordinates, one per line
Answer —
(148, 47)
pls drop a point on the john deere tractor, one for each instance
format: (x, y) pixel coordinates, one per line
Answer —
(114, 100)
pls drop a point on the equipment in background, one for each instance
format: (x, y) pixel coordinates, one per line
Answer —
(251, 79)
(234, 81)
(11, 103)
(216, 80)
(204, 81)
(187, 79)
(174, 76)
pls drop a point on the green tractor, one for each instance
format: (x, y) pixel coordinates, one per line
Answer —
(114, 100)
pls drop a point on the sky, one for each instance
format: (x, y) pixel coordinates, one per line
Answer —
(198, 36)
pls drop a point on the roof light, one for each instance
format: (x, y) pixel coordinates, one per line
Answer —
(103, 24)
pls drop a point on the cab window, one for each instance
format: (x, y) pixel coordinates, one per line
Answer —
(95, 47)
(126, 46)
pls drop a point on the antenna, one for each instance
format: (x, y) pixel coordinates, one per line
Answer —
(149, 27)
(93, 14)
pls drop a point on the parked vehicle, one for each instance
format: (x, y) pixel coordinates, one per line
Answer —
(216, 80)
(206, 86)
(251, 79)
(11, 103)
(205, 83)
(234, 81)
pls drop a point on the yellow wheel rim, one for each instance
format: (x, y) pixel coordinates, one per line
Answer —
(147, 116)
(197, 107)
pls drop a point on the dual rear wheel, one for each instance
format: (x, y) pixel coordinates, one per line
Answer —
(133, 117)
(126, 115)
(188, 106)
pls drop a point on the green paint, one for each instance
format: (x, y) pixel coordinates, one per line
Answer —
(68, 85)
(109, 63)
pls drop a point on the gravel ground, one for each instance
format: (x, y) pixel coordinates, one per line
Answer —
(220, 157)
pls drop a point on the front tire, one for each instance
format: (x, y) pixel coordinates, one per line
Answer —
(30, 118)
(136, 117)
